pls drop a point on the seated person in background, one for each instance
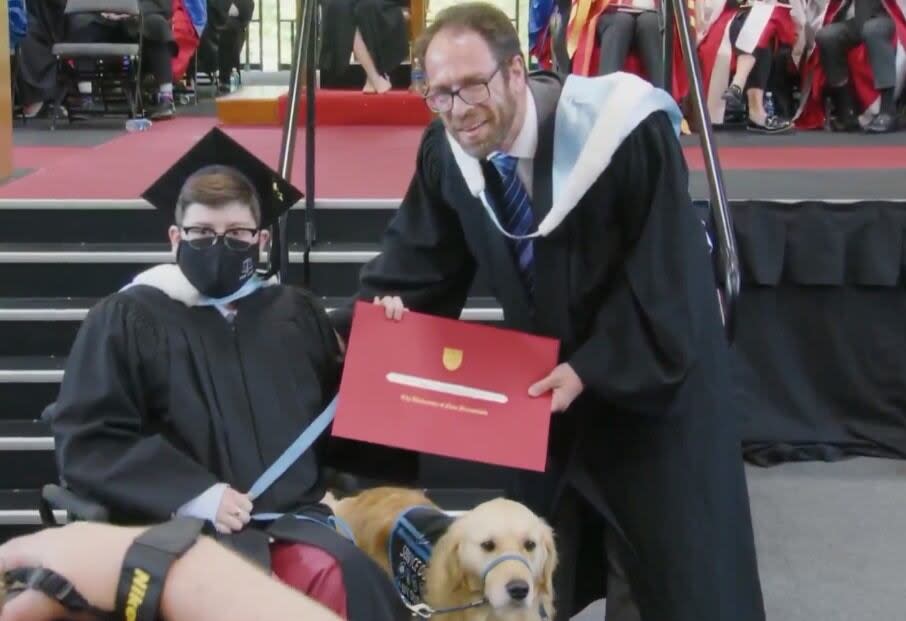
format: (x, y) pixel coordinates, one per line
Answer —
(755, 34)
(158, 47)
(606, 36)
(18, 29)
(182, 389)
(232, 38)
(628, 24)
(188, 23)
(36, 77)
(221, 44)
(375, 31)
(18, 22)
(849, 24)
(747, 33)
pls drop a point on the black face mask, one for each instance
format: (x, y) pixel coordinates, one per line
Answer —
(217, 271)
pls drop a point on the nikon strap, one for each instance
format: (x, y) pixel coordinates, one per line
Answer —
(146, 565)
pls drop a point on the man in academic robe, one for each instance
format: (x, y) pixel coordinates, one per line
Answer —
(183, 388)
(572, 199)
(858, 61)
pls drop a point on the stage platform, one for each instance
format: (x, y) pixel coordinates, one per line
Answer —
(85, 161)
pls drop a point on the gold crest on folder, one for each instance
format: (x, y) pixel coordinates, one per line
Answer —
(452, 358)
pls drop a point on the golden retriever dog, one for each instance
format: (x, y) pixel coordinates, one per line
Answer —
(518, 588)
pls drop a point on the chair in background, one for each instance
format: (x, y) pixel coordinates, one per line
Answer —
(116, 70)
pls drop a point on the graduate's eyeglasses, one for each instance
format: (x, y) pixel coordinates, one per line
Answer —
(471, 94)
(235, 239)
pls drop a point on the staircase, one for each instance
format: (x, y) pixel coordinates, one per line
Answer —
(57, 258)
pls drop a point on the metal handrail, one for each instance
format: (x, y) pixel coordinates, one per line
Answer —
(303, 60)
(728, 260)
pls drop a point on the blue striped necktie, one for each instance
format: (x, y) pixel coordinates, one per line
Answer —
(516, 215)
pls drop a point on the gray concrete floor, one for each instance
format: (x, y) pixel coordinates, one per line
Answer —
(831, 541)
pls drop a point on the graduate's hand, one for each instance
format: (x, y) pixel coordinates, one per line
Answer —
(393, 306)
(565, 383)
(234, 512)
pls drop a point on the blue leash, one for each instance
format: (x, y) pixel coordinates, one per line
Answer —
(287, 459)
(295, 450)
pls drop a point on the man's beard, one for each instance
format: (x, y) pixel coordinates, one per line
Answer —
(502, 119)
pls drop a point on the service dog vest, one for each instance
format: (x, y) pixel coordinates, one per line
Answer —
(412, 539)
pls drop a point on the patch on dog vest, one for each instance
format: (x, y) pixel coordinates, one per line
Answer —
(412, 539)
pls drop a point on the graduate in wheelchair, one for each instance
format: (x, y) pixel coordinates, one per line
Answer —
(184, 389)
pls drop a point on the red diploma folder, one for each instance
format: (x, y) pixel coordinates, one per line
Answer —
(446, 387)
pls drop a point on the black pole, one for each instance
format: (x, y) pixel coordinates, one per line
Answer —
(668, 15)
(310, 88)
(288, 144)
(728, 261)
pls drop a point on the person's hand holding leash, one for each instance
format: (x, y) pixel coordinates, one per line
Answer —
(565, 383)
(234, 512)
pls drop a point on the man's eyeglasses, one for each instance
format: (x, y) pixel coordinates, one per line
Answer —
(200, 237)
(471, 94)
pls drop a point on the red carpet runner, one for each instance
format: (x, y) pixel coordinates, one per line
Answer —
(353, 162)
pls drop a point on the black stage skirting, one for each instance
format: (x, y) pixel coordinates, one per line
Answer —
(819, 354)
(820, 347)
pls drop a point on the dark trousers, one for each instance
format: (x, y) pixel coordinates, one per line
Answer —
(837, 39)
(761, 72)
(156, 54)
(578, 578)
(619, 30)
(232, 38)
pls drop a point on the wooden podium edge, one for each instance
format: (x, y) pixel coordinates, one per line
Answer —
(6, 106)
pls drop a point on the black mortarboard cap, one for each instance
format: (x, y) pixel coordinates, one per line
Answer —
(275, 193)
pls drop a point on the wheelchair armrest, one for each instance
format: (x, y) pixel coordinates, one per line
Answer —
(57, 497)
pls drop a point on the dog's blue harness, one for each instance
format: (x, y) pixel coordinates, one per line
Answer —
(409, 549)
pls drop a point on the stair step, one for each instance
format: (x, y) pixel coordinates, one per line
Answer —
(26, 400)
(31, 369)
(107, 252)
(25, 435)
(40, 326)
(27, 385)
(27, 456)
(95, 270)
(49, 310)
(19, 512)
(136, 222)
(48, 326)
(28, 468)
(36, 335)
(45, 309)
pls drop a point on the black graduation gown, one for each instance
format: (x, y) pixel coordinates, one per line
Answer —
(383, 28)
(626, 283)
(161, 400)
